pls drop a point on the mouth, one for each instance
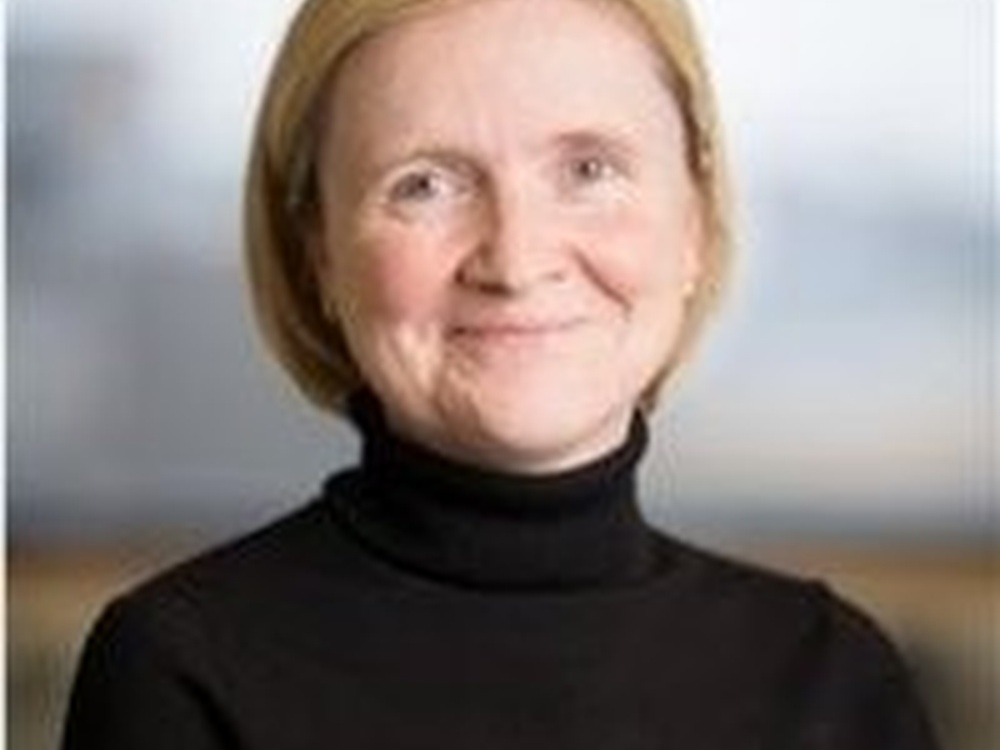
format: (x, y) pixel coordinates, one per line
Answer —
(514, 330)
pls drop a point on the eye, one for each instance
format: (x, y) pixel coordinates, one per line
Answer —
(590, 169)
(418, 186)
(426, 185)
(597, 172)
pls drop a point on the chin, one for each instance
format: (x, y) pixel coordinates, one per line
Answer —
(538, 432)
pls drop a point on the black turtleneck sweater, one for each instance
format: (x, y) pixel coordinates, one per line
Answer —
(419, 604)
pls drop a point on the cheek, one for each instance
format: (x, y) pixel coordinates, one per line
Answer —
(641, 255)
(393, 277)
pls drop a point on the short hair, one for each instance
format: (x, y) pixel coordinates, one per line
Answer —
(281, 186)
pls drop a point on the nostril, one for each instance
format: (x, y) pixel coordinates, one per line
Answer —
(501, 272)
(487, 271)
(496, 287)
(510, 264)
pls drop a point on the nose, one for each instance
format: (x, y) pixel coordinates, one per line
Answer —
(518, 247)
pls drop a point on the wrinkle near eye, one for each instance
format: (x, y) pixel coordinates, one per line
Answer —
(422, 186)
(582, 172)
(592, 165)
(425, 189)
(593, 180)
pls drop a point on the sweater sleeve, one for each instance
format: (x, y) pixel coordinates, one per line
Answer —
(143, 683)
(853, 690)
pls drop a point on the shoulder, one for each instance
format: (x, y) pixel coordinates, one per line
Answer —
(719, 586)
(305, 544)
(164, 657)
(251, 577)
(822, 620)
(835, 677)
(165, 606)
(274, 550)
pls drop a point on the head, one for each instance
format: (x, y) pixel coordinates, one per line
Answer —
(314, 238)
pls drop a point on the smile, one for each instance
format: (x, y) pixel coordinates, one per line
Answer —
(513, 330)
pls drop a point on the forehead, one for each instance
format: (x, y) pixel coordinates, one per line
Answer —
(520, 53)
(554, 19)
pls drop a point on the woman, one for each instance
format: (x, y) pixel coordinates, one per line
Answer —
(487, 230)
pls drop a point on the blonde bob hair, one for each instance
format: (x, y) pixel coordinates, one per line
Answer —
(281, 191)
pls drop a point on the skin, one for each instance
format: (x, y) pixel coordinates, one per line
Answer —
(508, 228)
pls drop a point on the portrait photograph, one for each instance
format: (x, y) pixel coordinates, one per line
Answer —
(502, 374)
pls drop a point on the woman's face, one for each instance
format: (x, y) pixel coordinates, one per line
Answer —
(509, 229)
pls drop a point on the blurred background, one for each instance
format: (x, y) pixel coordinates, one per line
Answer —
(840, 421)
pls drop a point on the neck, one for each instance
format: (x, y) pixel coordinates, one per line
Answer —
(483, 528)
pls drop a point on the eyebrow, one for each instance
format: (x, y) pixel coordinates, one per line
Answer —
(602, 138)
(599, 136)
(437, 153)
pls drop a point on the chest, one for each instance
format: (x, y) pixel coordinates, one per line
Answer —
(401, 676)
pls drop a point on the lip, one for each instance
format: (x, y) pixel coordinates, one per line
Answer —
(516, 328)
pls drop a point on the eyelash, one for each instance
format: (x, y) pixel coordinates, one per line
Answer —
(423, 185)
(433, 187)
(590, 168)
(593, 169)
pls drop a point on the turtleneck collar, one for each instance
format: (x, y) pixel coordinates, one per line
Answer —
(487, 529)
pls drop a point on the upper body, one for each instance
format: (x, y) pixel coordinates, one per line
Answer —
(556, 619)
(495, 226)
